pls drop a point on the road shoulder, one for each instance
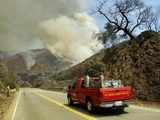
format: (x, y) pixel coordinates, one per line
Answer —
(11, 108)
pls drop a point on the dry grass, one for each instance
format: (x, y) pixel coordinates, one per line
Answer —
(5, 103)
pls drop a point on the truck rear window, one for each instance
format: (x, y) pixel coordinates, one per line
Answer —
(112, 83)
(91, 84)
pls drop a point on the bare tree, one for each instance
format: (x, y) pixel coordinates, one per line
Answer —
(127, 16)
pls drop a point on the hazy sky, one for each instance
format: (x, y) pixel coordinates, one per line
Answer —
(19, 19)
(61, 26)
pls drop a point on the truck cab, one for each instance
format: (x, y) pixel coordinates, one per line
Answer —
(96, 92)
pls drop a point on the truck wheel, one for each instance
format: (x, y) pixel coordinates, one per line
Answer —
(89, 106)
(120, 110)
(69, 100)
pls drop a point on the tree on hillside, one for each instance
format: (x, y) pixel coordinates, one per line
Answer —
(12, 80)
(126, 17)
(7, 78)
(3, 74)
(95, 69)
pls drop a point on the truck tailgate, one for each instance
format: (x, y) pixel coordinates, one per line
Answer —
(116, 94)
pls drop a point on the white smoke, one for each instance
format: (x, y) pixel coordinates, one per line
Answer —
(72, 38)
(65, 29)
(19, 20)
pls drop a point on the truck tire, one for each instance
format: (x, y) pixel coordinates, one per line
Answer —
(120, 110)
(70, 101)
(89, 106)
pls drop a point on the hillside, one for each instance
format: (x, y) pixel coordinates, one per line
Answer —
(33, 67)
(50, 62)
(16, 63)
(31, 60)
(135, 62)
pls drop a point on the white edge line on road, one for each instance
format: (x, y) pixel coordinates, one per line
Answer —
(145, 108)
(17, 102)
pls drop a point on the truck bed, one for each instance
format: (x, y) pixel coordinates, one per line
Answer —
(116, 94)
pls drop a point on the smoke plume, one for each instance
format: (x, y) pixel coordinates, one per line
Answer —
(64, 27)
(71, 37)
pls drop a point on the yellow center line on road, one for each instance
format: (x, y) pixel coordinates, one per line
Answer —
(85, 116)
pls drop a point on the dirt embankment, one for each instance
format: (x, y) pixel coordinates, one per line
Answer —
(5, 103)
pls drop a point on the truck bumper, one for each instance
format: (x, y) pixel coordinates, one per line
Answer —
(114, 104)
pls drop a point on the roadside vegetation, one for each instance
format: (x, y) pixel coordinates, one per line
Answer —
(8, 81)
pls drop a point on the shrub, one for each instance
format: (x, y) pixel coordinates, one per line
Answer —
(95, 70)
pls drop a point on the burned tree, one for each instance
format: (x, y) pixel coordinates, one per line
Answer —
(127, 16)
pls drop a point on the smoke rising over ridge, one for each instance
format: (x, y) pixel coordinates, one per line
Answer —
(21, 21)
(71, 37)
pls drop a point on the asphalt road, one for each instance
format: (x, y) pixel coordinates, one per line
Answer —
(36, 104)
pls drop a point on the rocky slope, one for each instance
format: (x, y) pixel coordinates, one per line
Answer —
(33, 66)
(46, 61)
(135, 62)
(16, 63)
(33, 60)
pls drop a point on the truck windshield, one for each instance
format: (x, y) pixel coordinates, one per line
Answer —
(112, 83)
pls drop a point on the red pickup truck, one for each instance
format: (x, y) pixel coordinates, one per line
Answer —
(98, 93)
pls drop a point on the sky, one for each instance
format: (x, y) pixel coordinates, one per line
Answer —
(20, 21)
(101, 21)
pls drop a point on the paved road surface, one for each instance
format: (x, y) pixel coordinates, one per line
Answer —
(36, 104)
